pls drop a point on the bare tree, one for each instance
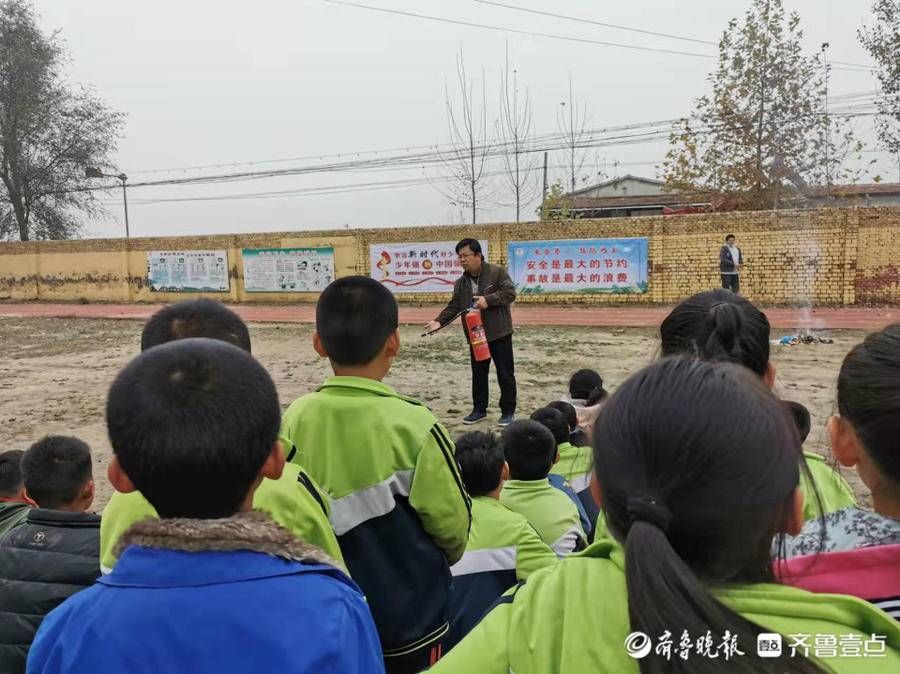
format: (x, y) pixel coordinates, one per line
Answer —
(514, 132)
(465, 162)
(49, 132)
(571, 120)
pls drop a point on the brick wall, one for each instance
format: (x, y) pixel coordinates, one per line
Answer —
(823, 256)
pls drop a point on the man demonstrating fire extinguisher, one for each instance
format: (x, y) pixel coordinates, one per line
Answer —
(483, 295)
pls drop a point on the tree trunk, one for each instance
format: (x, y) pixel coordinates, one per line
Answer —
(762, 107)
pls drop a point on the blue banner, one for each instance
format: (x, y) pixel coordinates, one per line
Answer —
(615, 266)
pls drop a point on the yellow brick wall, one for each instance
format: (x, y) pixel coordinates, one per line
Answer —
(823, 256)
(877, 280)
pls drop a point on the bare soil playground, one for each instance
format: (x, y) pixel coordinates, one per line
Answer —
(55, 372)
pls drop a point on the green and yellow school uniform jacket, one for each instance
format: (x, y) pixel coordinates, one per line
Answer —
(398, 505)
(503, 549)
(293, 501)
(833, 489)
(573, 617)
(575, 465)
(549, 511)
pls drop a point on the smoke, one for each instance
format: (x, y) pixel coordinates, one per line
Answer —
(806, 268)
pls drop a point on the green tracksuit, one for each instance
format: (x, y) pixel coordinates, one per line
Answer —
(398, 505)
(294, 501)
(549, 511)
(575, 465)
(833, 489)
(573, 617)
(503, 549)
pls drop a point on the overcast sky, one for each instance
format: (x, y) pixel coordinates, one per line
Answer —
(211, 84)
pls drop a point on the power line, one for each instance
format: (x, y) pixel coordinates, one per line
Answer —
(257, 162)
(577, 19)
(591, 21)
(854, 65)
(647, 132)
(531, 33)
(407, 159)
(436, 147)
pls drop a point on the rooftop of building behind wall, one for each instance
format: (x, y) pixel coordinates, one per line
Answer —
(630, 196)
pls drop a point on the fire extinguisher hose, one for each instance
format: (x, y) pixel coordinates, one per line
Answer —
(444, 325)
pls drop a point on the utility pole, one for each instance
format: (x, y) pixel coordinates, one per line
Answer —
(94, 172)
(124, 178)
(825, 46)
(544, 198)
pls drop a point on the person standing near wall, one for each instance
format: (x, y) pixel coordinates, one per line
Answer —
(486, 287)
(730, 262)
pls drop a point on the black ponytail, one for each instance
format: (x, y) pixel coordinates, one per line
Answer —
(597, 395)
(695, 487)
(718, 325)
(868, 395)
(587, 385)
(724, 325)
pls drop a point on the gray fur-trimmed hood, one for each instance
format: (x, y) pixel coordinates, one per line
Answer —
(254, 531)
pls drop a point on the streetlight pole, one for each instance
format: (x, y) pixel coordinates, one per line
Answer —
(93, 172)
(124, 178)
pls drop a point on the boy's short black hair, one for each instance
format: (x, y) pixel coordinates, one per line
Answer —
(730, 236)
(801, 418)
(355, 316)
(568, 412)
(473, 244)
(480, 457)
(555, 421)
(11, 473)
(191, 423)
(529, 448)
(55, 470)
(195, 318)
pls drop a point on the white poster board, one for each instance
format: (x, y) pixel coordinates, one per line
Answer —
(430, 267)
(187, 271)
(287, 270)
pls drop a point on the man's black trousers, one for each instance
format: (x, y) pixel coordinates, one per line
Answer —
(502, 355)
(731, 282)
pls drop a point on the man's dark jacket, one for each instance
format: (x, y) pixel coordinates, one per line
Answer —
(497, 288)
(43, 561)
(727, 261)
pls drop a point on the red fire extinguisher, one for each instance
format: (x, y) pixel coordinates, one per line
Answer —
(477, 337)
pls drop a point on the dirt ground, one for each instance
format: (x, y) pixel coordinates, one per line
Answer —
(54, 373)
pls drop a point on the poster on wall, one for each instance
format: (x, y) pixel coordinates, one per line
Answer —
(187, 271)
(430, 267)
(287, 270)
(614, 266)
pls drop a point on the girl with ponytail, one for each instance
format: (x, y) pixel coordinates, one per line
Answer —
(860, 554)
(695, 486)
(586, 395)
(721, 326)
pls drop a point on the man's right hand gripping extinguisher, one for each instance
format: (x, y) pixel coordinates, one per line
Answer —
(477, 337)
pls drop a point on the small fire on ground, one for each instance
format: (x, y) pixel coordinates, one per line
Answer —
(803, 336)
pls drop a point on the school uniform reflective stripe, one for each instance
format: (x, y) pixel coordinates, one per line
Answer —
(889, 606)
(488, 559)
(567, 543)
(580, 482)
(374, 501)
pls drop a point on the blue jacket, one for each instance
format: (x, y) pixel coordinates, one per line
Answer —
(212, 611)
